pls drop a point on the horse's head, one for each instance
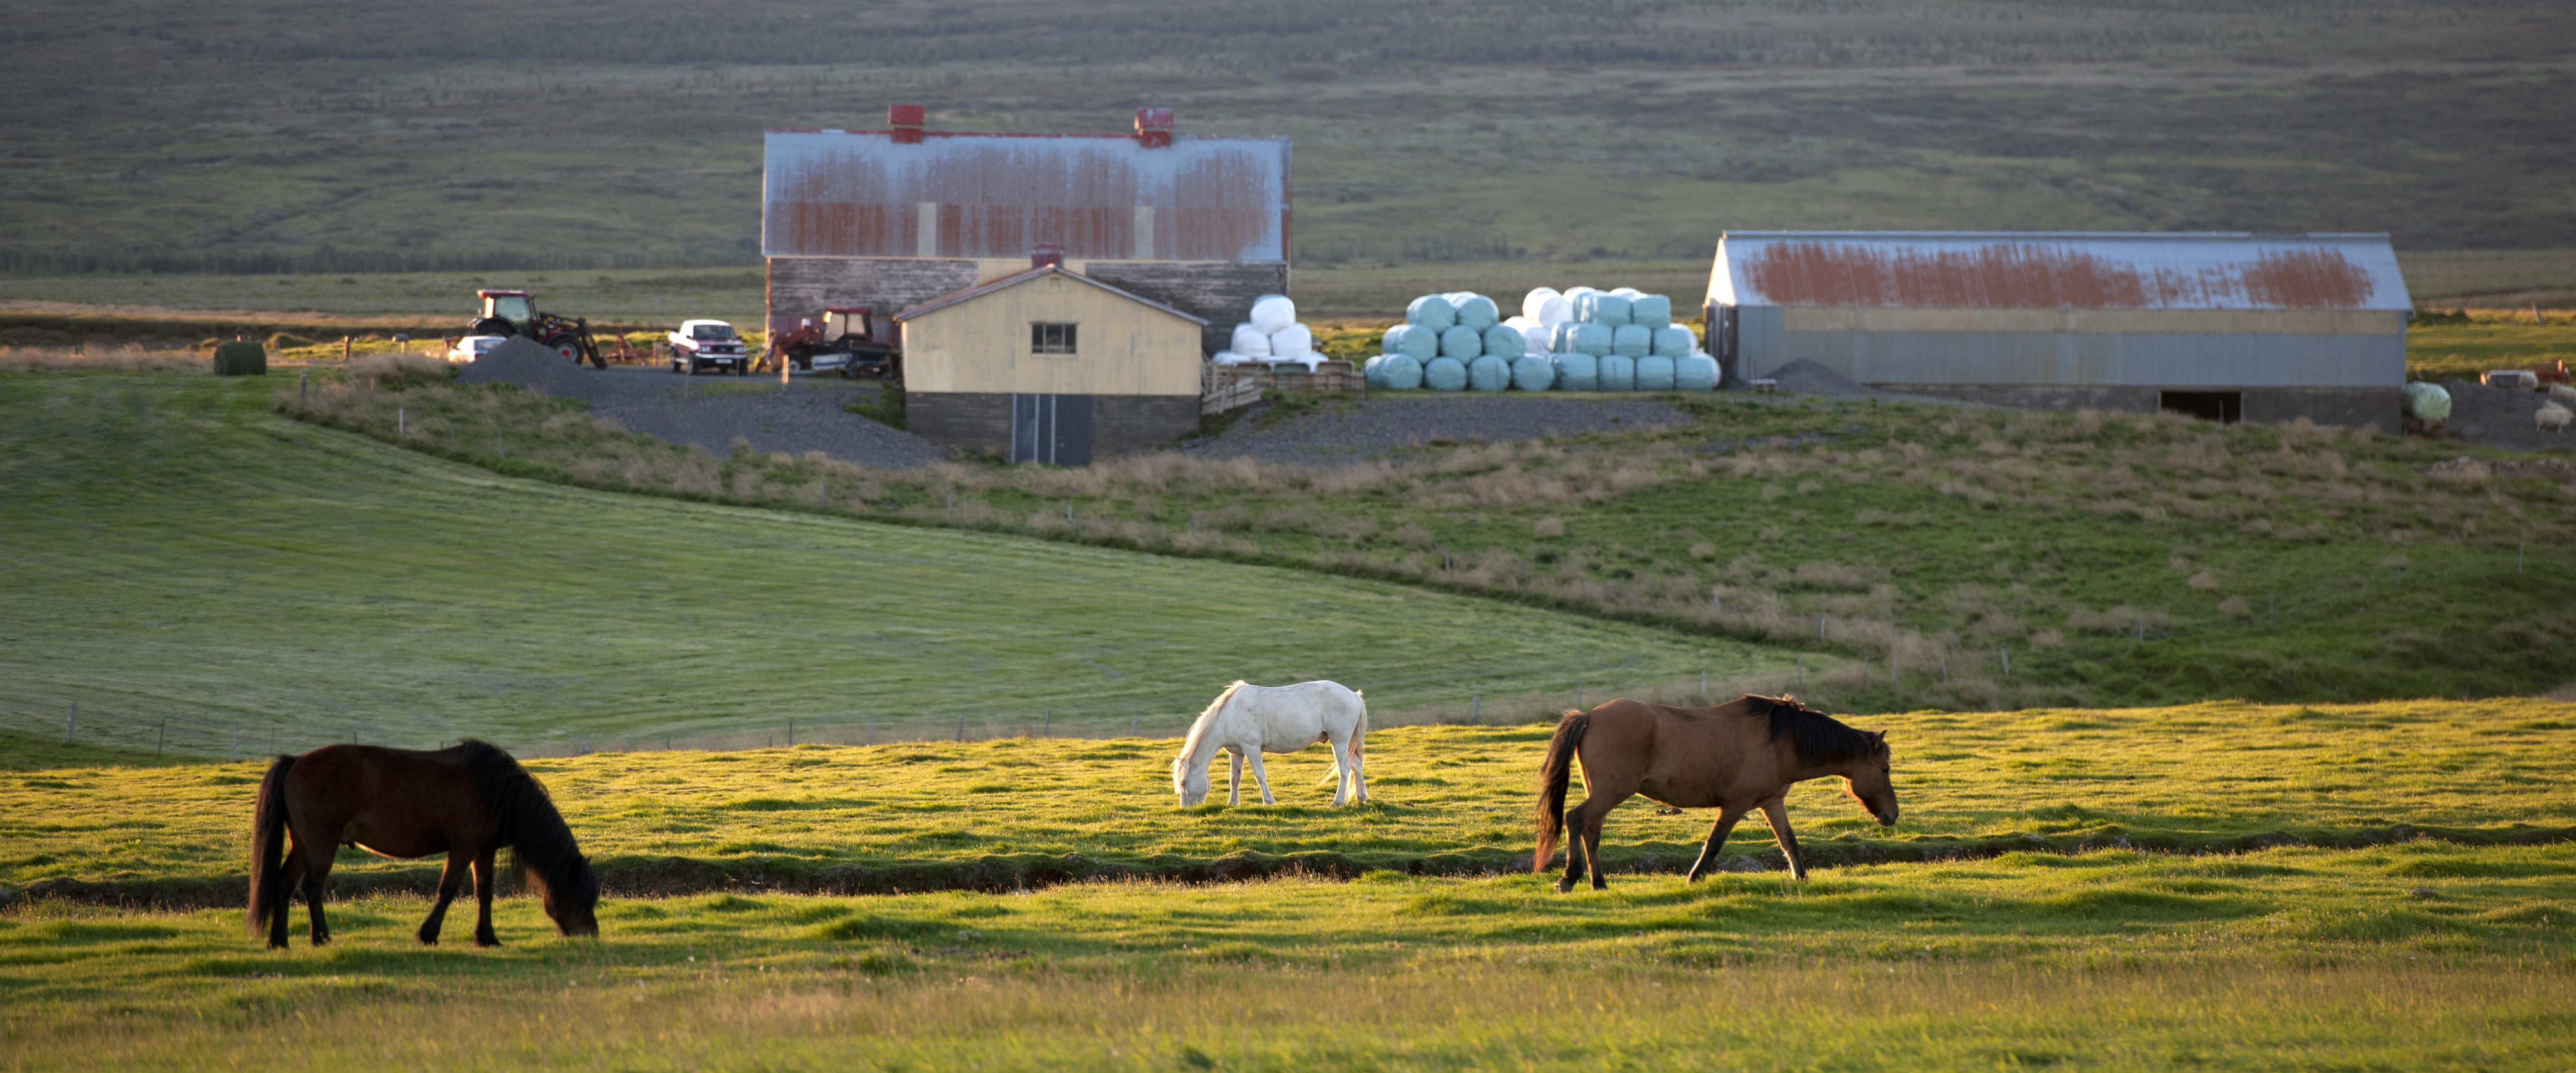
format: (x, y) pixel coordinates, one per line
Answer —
(1189, 780)
(573, 902)
(1866, 780)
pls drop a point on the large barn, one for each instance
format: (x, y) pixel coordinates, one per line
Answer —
(889, 219)
(2227, 326)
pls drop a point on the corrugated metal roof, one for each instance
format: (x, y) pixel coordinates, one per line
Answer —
(1014, 280)
(2056, 270)
(861, 194)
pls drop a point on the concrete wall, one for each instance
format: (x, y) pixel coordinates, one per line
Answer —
(2345, 407)
(1122, 346)
(2081, 348)
(981, 421)
(1219, 291)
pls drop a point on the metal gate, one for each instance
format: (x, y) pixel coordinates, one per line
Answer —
(1054, 429)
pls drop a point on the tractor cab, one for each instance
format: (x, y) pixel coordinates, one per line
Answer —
(841, 322)
(512, 306)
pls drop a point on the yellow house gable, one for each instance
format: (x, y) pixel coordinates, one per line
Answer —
(986, 343)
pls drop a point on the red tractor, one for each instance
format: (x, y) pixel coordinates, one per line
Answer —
(507, 313)
(845, 341)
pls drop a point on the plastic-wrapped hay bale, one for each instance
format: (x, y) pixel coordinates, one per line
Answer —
(1249, 341)
(1422, 344)
(1444, 374)
(1556, 310)
(1611, 309)
(1273, 313)
(1399, 372)
(1560, 336)
(1475, 310)
(1618, 373)
(1536, 301)
(1589, 338)
(1431, 311)
(1630, 293)
(1533, 372)
(1489, 373)
(1674, 341)
(1536, 338)
(2427, 402)
(1505, 341)
(1462, 342)
(1292, 343)
(1651, 310)
(1654, 373)
(1695, 372)
(1632, 340)
(1576, 371)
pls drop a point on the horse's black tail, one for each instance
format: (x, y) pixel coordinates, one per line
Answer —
(268, 847)
(1552, 777)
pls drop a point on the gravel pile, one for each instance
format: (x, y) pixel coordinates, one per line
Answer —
(807, 415)
(2500, 417)
(1349, 431)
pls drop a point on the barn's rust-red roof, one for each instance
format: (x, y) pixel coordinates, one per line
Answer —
(835, 193)
(2043, 270)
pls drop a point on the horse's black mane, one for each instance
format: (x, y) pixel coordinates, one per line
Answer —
(536, 834)
(1818, 738)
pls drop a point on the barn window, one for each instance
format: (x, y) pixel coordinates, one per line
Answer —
(1045, 338)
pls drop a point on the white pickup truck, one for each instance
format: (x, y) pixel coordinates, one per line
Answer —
(704, 344)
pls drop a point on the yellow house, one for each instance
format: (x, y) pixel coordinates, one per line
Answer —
(1050, 365)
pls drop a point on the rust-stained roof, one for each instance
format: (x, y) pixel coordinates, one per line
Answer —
(835, 193)
(2051, 270)
(981, 289)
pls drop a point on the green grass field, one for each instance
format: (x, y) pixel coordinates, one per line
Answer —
(174, 551)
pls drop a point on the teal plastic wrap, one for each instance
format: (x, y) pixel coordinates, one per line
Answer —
(1651, 310)
(1414, 339)
(1475, 310)
(1489, 373)
(1654, 373)
(1632, 341)
(1533, 373)
(1444, 374)
(1576, 371)
(1397, 372)
(1504, 341)
(1462, 342)
(1618, 373)
(1588, 338)
(1432, 311)
(1695, 372)
(1609, 309)
(1674, 341)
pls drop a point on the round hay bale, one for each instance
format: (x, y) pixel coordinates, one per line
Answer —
(1273, 313)
(1618, 373)
(1489, 373)
(1422, 344)
(1654, 373)
(1475, 310)
(1462, 342)
(1444, 374)
(240, 358)
(1632, 341)
(1576, 371)
(1674, 341)
(1399, 372)
(1695, 372)
(1431, 311)
(1533, 372)
(1505, 341)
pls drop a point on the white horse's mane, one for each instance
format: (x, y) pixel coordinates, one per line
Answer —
(1206, 719)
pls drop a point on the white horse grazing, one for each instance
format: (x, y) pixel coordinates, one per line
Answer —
(1249, 720)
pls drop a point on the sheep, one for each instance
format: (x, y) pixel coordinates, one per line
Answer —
(2563, 395)
(2552, 417)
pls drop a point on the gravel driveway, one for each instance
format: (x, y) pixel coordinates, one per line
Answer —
(710, 410)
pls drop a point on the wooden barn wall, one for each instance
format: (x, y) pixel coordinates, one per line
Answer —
(1123, 347)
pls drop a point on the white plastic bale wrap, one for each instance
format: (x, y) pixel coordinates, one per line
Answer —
(1537, 339)
(1654, 373)
(1695, 372)
(1589, 338)
(1651, 310)
(1632, 341)
(1489, 373)
(1475, 310)
(1292, 343)
(1399, 372)
(1609, 309)
(1576, 371)
(1273, 313)
(1445, 374)
(1505, 342)
(1533, 372)
(1618, 373)
(1536, 301)
(1556, 311)
(1674, 341)
(1413, 339)
(1431, 311)
(1224, 357)
(1250, 341)
(1462, 342)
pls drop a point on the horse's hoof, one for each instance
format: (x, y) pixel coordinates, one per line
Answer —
(486, 940)
(429, 940)
(1565, 886)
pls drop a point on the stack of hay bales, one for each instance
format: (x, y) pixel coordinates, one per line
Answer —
(1582, 339)
(240, 358)
(1273, 334)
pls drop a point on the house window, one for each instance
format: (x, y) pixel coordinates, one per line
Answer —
(1047, 338)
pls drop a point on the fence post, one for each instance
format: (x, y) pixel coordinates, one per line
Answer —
(1131, 724)
(160, 737)
(69, 720)
(961, 726)
(398, 421)
(1578, 698)
(1047, 729)
(791, 733)
(2004, 654)
(1703, 687)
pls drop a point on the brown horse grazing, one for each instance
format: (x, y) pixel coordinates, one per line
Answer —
(1738, 756)
(466, 802)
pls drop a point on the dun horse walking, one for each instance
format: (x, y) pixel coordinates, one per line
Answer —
(1736, 757)
(466, 802)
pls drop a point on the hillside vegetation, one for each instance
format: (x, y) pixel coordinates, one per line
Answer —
(1972, 558)
(366, 137)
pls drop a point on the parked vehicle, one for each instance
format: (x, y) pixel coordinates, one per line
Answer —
(707, 344)
(845, 341)
(474, 346)
(508, 313)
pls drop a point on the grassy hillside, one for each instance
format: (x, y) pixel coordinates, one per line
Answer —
(172, 551)
(993, 814)
(378, 136)
(2109, 560)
